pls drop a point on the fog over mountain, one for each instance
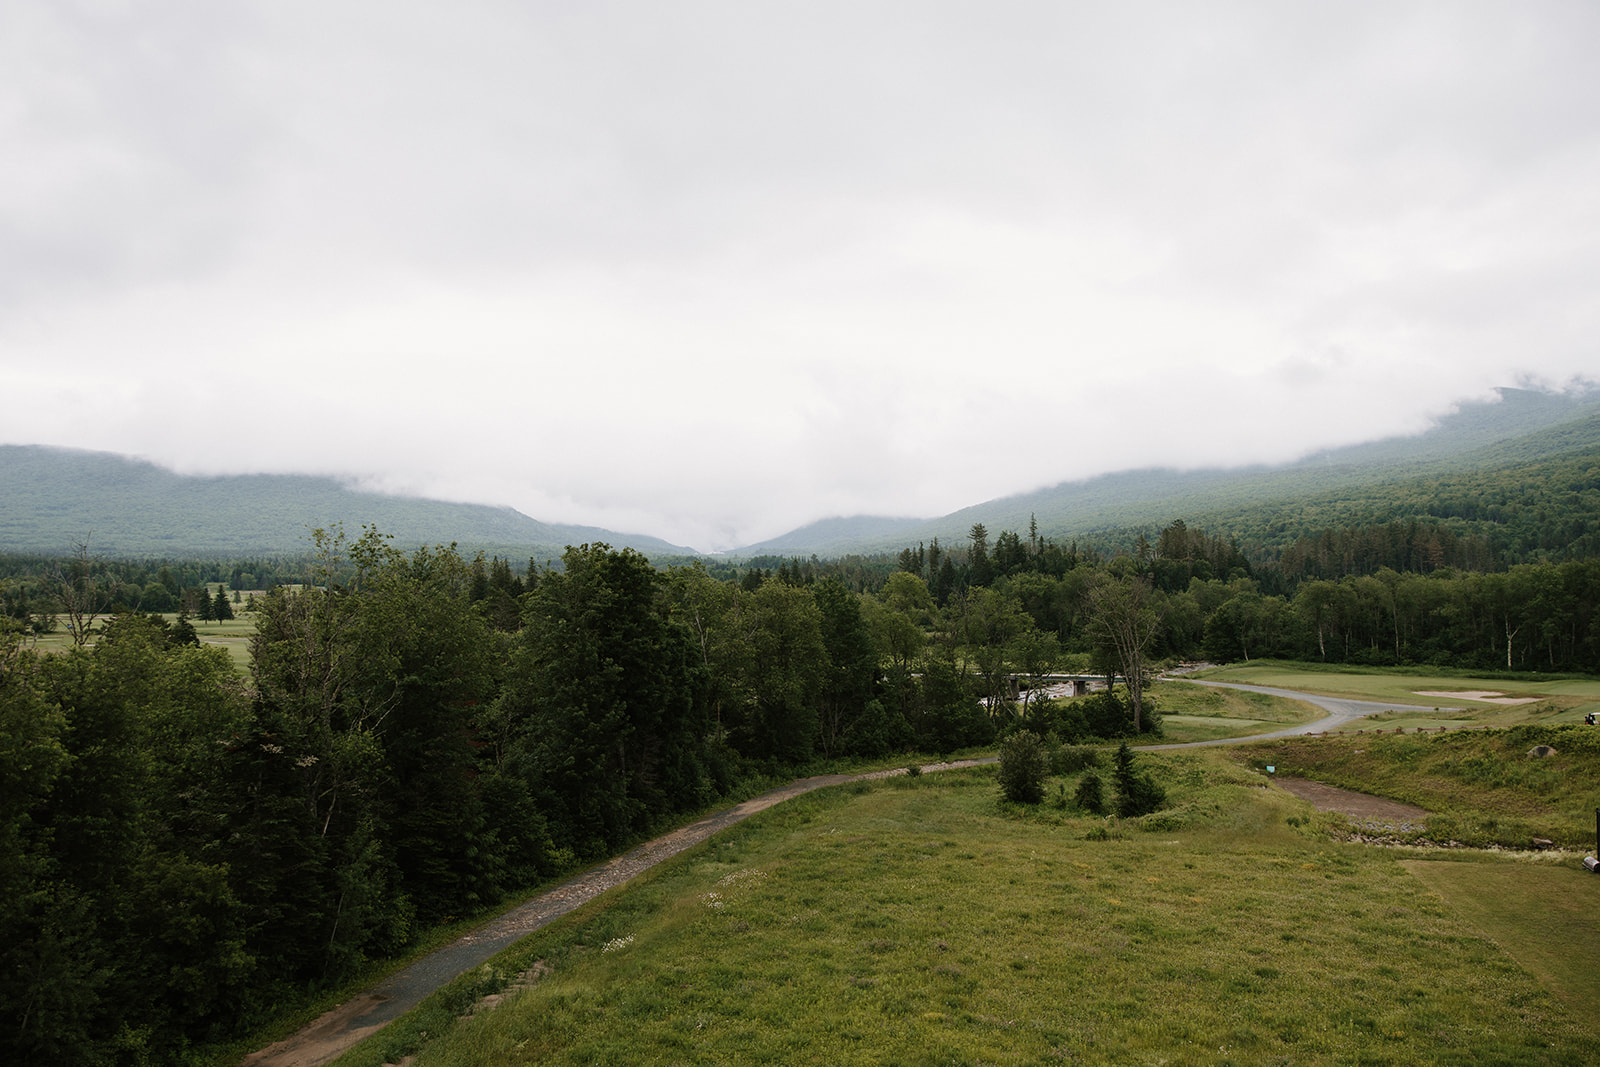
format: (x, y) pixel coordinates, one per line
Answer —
(56, 498)
(718, 271)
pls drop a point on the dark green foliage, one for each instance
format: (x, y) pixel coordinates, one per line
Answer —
(1070, 759)
(602, 696)
(221, 609)
(1104, 715)
(182, 632)
(1137, 793)
(1023, 766)
(877, 731)
(1090, 794)
(951, 716)
(852, 667)
(118, 921)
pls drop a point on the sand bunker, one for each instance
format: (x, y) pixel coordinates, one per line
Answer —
(1487, 696)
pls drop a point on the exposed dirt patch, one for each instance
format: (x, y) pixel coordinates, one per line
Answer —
(320, 1042)
(1347, 802)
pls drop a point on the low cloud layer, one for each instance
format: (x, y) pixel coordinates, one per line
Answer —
(713, 270)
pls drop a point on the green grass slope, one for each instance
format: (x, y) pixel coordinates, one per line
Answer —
(921, 920)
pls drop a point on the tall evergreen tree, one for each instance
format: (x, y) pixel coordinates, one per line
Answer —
(602, 694)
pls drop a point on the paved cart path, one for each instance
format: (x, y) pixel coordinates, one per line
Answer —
(1341, 711)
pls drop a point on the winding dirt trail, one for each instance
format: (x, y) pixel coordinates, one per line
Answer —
(364, 1015)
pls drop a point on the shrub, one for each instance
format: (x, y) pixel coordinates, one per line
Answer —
(1091, 794)
(1070, 759)
(1023, 767)
(1137, 794)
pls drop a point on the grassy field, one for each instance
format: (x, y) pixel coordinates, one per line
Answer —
(232, 635)
(920, 921)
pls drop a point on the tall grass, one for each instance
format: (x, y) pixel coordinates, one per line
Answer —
(920, 920)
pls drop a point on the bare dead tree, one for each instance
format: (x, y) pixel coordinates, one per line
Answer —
(82, 591)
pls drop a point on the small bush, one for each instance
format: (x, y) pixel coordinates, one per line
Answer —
(1070, 759)
(1023, 767)
(1137, 794)
(1091, 794)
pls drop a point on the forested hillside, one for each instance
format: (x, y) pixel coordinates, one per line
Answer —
(55, 497)
(1522, 473)
(1518, 474)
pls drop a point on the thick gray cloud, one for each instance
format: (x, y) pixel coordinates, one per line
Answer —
(711, 270)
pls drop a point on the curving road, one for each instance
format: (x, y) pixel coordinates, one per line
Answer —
(1340, 711)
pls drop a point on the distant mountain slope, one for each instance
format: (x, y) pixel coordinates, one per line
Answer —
(52, 497)
(1530, 451)
(1522, 427)
(834, 537)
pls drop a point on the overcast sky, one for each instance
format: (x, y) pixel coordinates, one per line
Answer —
(710, 271)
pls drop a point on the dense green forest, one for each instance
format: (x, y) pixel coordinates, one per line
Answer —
(183, 850)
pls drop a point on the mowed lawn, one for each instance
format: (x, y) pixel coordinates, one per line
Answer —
(919, 921)
(1546, 918)
(1192, 712)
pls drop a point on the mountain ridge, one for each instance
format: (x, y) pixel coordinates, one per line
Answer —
(52, 498)
(1520, 425)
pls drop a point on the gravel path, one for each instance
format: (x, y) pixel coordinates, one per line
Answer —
(356, 1019)
(344, 1026)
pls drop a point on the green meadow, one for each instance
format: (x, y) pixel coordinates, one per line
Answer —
(233, 635)
(921, 920)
